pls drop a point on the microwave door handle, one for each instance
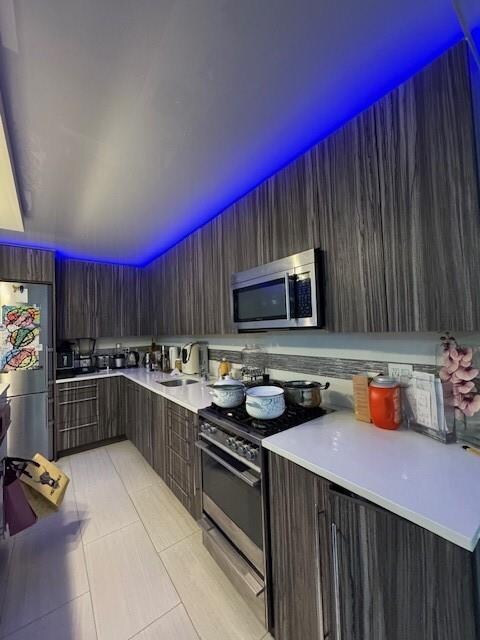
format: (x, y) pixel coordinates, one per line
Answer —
(287, 295)
(290, 279)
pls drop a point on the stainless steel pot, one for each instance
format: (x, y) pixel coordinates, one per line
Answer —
(305, 393)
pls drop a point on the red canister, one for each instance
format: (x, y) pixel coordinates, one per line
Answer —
(384, 400)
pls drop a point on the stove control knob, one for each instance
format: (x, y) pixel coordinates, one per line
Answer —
(236, 444)
(252, 453)
(204, 426)
(211, 428)
(242, 448)
(229, 441)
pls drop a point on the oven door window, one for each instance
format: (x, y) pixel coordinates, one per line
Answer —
(262, 301)
(240, 502)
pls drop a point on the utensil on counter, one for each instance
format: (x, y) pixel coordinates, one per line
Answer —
(305, 393)
(265, 403)
(227, 393)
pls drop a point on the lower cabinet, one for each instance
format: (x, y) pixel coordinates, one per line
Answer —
(345, 569)
(77, 415)
(88, 411)
(91, 411)
(159, 435)
(182, 469)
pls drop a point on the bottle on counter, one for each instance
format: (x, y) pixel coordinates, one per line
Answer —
(224, 368)
(384, 402)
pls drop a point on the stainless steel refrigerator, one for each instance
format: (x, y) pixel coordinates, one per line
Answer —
(27, 391)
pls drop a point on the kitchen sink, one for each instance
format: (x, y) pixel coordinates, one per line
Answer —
(177, 383)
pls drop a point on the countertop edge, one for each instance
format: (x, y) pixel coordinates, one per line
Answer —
(447, 534)
(125, 373)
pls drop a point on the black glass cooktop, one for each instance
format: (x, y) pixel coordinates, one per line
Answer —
(291, 417)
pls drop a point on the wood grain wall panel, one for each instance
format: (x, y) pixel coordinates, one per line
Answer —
(22, 263)
(391, 198)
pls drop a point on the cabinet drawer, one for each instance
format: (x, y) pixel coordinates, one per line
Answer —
(179, 445)
(179, 411)
(179, 493)
(76, 413)
(181, 426)
(70, 437)
(180, 471)
(74, 392)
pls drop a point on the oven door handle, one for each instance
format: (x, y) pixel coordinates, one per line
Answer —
(246, 476)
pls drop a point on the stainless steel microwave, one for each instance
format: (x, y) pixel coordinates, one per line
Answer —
(285, 294)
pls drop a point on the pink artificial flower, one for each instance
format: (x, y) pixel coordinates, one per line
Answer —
(465, 387)
(471, 405)
(467, 373)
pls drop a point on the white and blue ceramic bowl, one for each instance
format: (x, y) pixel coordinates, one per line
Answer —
(265, 403)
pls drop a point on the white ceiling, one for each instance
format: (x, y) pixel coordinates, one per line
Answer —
(135, 121)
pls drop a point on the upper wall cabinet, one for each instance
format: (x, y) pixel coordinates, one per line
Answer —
(99, 300)
(30, 265)
(391, 198)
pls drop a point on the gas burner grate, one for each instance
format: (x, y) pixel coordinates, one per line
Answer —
(292, 417)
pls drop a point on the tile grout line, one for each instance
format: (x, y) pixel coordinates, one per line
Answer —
(146, 531)
(44, 615)
(84, 556)
(158, 553)
(137, 633)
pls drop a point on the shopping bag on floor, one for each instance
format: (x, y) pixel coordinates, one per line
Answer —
(45, 485)
(17, 512)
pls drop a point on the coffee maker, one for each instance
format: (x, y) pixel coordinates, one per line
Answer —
(84, 361)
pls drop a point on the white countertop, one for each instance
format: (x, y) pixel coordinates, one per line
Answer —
(434, 485)
(192, 396)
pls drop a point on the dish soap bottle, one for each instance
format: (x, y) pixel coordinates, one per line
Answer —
(223, 368)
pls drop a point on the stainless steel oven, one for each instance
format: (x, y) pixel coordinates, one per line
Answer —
(285, 294)
(231, 494)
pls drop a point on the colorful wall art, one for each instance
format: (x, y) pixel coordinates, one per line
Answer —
(19, 337)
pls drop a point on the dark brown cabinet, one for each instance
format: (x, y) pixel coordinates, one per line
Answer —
(30, 265)
(76, 415)
(88, 412)
(181, 462)
(95, 299)
(159, 435)
(345, 569)
(391, 198)
(395, 580)
(138, 427)
(111, 407)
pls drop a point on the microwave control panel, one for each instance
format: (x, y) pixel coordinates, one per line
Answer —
(303, 296)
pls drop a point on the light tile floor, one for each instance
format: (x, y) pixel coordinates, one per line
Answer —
(122, 559)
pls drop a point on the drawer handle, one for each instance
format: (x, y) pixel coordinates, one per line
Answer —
(87, 386)
(77, 401)
(82, 426)
(336, 579)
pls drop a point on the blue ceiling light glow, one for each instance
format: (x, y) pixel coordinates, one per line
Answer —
(389, 74)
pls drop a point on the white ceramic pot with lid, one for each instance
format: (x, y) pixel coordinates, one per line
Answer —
(265, 402)
(227, 393)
